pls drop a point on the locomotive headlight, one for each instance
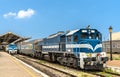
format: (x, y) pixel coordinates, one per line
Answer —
(83, 55)
(89, 55)
(69, 50)
(103, 54)
(93, 31)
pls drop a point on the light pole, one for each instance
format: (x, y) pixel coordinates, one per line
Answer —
(110, 30)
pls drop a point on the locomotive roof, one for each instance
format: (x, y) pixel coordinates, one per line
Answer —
(56, 34)
(72, 32)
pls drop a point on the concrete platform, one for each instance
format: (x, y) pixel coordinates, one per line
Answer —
(11, 67)
(114, 65)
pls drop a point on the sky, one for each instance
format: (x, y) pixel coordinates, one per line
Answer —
(41, 18)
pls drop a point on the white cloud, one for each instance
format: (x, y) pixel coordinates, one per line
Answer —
(24, 14)
(20, 14)
(10, 14)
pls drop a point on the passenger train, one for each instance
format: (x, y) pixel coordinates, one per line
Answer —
(81, 48)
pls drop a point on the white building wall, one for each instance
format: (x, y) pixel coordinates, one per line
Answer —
(116, 36)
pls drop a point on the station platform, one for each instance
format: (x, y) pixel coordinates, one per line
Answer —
(11, 67)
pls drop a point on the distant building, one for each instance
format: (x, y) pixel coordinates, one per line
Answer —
(115, 43)
(115, 46)
(116, 36)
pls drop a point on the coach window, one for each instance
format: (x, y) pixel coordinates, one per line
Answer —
(114, 45)
(118, 45)
(76, 38)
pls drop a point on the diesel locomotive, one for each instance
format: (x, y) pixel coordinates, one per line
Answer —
(12, 48)
(81, 48)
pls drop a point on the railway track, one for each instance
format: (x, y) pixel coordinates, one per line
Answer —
(55, 71)
(52, 72)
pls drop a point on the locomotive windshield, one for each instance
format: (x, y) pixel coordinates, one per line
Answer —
(12, 45)
(90, 34)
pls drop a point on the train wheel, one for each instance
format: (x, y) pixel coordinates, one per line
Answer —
(33, 55)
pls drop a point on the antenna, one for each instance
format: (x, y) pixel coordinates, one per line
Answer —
(88, 27)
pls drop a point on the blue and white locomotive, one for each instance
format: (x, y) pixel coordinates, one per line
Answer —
(12, 48)
(76, 48)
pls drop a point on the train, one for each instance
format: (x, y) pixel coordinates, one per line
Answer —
(12, 48)
(80, 48)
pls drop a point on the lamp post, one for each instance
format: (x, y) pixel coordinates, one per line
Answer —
(110, 30)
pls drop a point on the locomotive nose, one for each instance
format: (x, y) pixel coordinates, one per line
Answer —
(96, 44)
(93, 43)
(91, 46)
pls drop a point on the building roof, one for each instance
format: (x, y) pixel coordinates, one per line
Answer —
(10, 37)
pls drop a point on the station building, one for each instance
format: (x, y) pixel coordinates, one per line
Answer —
(115, 43)
(9, 38)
